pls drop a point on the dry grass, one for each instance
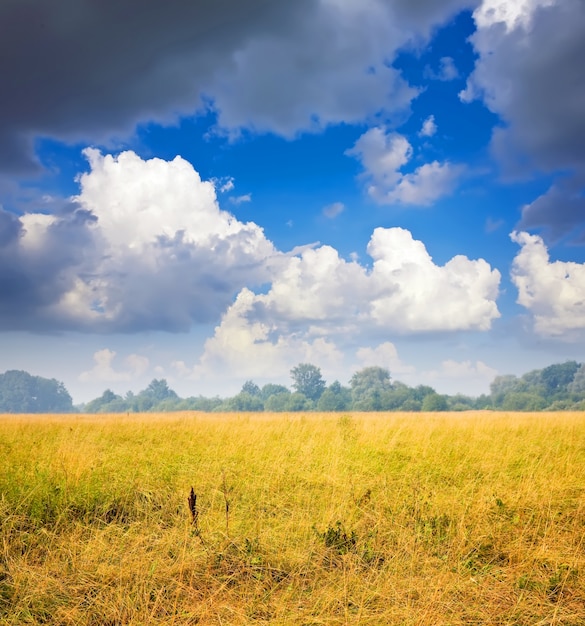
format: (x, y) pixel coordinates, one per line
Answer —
(406, 519)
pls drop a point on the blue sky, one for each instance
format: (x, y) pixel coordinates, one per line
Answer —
(216, 192)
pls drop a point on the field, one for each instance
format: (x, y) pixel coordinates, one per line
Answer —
(400, 519)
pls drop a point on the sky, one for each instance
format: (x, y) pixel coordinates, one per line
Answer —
(216, 191)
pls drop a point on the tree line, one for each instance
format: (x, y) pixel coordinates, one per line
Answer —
(556, 387)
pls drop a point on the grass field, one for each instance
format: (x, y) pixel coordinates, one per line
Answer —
(426, 519)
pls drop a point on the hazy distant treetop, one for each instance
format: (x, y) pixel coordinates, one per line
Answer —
(20, 392)
(251, 388)
(307, 380)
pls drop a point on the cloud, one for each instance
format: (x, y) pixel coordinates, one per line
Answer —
(535, 89)
(560, 211)
(91, 72)
(318, 302)
(224, 185)
(333, 210)
(383, 154)
(447, 70)
(384, 355)
(492, 225)
(251, 348)
(538, 92)
(467, 377)
(104, 371)
(41, 257)
(415, 295)
(240, 199)
(552, 292)
(143, 246)
(429, 127)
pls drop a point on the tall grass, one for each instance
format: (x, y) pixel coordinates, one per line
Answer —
(406, 519)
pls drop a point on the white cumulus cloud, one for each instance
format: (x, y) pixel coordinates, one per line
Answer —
(383, 154)
(104, 371)
(143, 246)
(383, 355)
(552, 291)
(319, 302)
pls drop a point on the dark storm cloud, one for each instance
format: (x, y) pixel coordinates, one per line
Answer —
(560, 211)
(532, 75)
(79, 69)
(88, 70)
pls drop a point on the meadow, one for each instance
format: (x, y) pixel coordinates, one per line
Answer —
(309, 519)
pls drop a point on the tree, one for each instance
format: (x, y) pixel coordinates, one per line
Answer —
(99, 404)
(557, 378)
(20, 392)
(577, 385)
(502, 385)
(158, 390)
(277, 402)
(282, 402)
(335, 398)
(271, 389)
(307, 380)
(435, 402)
(251, 388)
(368, 387)
(244, 401)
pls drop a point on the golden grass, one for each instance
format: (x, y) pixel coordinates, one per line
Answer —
(406, 519)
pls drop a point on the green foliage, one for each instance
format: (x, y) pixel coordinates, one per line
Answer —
(308, 381)
(20, 392)
(271, 389)
(244, 401)
(288, 402)
(101, 404)
(368, 386)
(435, 402)
(251, 388)
(335, 398)
(556, 387)
(523, 401)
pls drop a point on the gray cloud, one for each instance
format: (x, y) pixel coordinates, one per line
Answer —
(88, 71)
(560, 211)
(78, 69)
(530, 72)
(35, 274)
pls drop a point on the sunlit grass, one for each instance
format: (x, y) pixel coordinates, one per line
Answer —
(467, 518)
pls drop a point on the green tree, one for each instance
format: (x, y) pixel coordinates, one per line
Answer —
(368, 387)
(251, 388)
(277, 402)
(435, 402)
(335, 398)
(502, 385)
(307, 380)
(20, 392)
(283, 402)
(577, 385)
(99, 404)
(523, 401)
(244, 402)
(557, 378)
(158, 390)
(271, 389)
